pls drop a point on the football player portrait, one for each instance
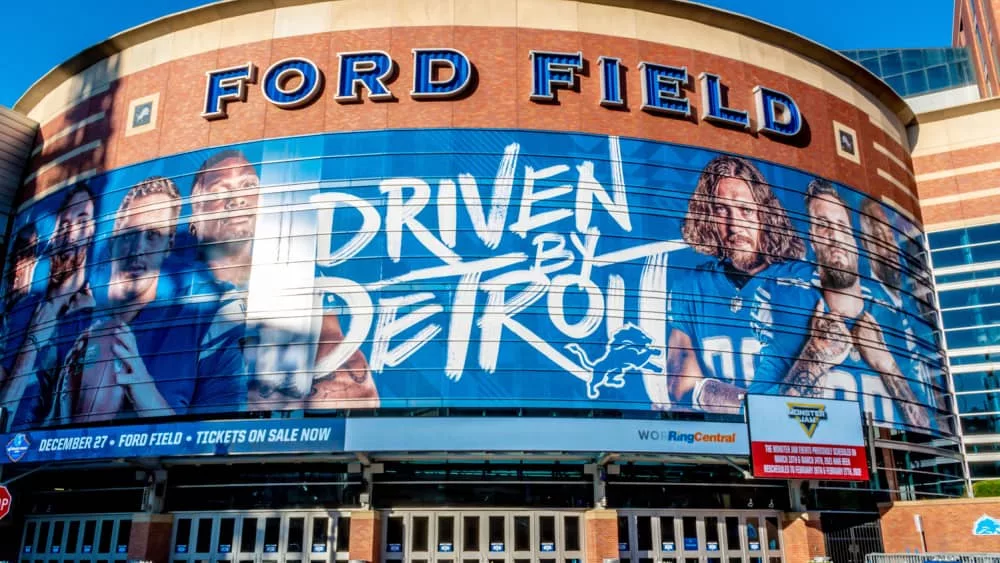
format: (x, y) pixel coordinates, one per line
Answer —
(842, 352)
(41, 328)
(224, 203)
(139, 357)
(735, 218)
(21, 265)
(907, 326)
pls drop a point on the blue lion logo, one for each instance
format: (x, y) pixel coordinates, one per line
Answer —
(986, 526)
(629, 349)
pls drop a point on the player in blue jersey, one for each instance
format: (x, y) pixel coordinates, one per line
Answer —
(734, 217)
(907, 328)
(140, 356)
(224, 201)
(827, 340)
(40, 328)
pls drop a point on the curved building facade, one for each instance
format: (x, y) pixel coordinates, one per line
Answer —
(441, 281)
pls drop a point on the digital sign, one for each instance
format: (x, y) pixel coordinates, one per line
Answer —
(462, 268)
(806, 438)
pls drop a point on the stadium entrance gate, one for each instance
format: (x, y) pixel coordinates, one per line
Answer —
(80, 538)
(306, 536)
(699, 536)
(482, 536)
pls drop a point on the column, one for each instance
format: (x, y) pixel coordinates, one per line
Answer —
(600, 529)
(366, 535)
(149, 539)
(803, 537)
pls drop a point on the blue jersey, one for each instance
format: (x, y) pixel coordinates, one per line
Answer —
(36, 402)
(169, 339)
(194, 370)
(914, 344)
(717, 308)
(792, 308)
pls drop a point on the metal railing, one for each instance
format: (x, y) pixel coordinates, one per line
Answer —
(932, 558)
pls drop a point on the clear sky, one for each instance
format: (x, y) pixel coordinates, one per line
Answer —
(40, 34)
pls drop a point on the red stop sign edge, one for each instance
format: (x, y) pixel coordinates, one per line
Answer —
(5, 501)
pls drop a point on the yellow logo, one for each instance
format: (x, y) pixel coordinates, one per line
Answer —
(808, 415)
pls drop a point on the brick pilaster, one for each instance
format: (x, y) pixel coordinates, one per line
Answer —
(149, 539)
(601, 532)
(366, 535)
(803, 536)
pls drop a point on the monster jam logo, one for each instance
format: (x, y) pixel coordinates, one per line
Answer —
(808, 415)
(630, 349)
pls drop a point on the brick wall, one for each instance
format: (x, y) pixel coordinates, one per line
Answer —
(601, 534)
(948, 525)
(500, 99)
(803, 536)
(366, 535)
(149, 539)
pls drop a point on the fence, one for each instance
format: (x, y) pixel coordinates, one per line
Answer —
(932, 558)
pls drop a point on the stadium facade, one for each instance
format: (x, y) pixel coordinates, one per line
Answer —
(455, 281)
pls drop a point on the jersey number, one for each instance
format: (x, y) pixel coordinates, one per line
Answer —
(717, 355)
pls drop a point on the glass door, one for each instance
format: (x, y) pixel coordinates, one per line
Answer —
(473, 538)
(648, 536)
(76, 539)
(732, 533)
(261, 537)
(483, 537)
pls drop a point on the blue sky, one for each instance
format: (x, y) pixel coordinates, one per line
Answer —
(41, 34)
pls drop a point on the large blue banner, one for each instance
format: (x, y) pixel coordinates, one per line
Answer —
(487, 268)
(374, 434)
(223, 437)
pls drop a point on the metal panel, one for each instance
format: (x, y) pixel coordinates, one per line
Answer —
(924, 557)
(17, 139)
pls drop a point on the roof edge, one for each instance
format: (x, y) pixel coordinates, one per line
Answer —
(699, 13)
(969, 108)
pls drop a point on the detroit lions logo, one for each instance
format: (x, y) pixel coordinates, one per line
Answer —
(630, 349)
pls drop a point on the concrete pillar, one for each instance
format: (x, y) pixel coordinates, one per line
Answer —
(366, 535)
(600, 528)
(803, 537)
(149, 539)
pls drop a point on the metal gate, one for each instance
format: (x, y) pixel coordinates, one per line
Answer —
(850, 537)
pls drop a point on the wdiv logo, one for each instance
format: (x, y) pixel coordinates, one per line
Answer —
(808, 415)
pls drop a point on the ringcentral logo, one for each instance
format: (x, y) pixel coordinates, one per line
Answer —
(808, 416)
(685, 437)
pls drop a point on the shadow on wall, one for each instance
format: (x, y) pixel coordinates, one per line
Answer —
(78, 129)
(71, 145)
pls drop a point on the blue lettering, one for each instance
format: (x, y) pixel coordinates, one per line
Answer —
(611, 82)
(713, 108)
(277, 78)
(226, 85)
(427, 62)
(368, 69)
(661, 89)
(552, 70)
(777, 113)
